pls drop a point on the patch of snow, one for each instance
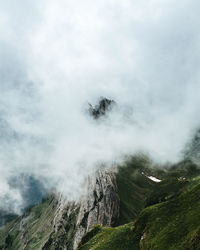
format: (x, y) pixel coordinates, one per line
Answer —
(154, 179)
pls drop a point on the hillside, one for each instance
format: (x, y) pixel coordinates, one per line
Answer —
(173, 224)
(58, 223)
(116, 201)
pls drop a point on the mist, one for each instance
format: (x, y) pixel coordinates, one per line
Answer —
(56, 57)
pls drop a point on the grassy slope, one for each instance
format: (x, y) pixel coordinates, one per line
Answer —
(38, 231)
(173, 224)
(133, 188)
(137, 191)
(35, 232)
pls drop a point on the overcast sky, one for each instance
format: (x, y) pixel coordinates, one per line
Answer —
(56, 56)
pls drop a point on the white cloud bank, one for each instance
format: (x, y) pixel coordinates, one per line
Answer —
(58, 55)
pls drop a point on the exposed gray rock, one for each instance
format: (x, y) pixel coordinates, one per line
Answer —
(99, 206)
(61, 224)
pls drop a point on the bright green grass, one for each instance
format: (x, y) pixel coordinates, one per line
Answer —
(118, 238)
(170, 225)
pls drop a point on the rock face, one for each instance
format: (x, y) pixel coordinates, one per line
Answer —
(99, 206)
(102, 108)
(59, 224)
(63, 226)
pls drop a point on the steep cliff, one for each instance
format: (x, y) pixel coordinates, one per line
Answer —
(170, 219)
(99, 206)
(173, 224)
(59, 224)
(112, 199)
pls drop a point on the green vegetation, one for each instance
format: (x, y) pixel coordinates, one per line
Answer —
(161, 216)
(35, 229)
(112, 238)
(136, 191)
(133, 188)
(173, 224)
(29, 230)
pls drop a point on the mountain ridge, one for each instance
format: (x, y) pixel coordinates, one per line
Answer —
(113, 200)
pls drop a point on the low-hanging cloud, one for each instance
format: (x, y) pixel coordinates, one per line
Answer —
(56, 56)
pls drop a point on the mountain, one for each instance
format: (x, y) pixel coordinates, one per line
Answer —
(103, 107)
(122, 209)
(58, 224)
(173, 224)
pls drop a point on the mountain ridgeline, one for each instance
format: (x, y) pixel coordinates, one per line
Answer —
(124, 209)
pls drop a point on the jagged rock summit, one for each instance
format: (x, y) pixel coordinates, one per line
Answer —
(102, 108)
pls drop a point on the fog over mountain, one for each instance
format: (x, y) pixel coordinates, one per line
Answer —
(58, 56)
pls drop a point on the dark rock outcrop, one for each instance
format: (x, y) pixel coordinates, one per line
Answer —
(102, 108)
